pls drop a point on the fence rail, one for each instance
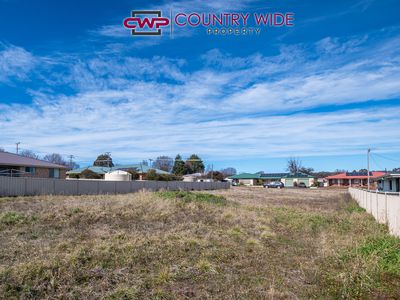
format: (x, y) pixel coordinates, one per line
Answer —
(17, 186)
(385, 207)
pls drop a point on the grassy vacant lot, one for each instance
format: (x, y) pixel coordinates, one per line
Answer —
(243, 243)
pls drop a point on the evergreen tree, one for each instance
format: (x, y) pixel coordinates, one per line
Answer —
(103, 160)
(179, 167)
(195, 164)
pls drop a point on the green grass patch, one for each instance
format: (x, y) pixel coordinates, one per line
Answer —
(12, 218)
(193, 197)
(386, 250)
(300, 220)
(372, 267)
(353, 207)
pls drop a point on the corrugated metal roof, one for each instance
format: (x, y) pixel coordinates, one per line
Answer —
(11, 159)
(141, 168)
(273, 175)
(245, 176)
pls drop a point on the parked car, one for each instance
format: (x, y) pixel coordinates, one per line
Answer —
(274, 185)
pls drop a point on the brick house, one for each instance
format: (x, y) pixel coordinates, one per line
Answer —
(347, 179)
(19, 166)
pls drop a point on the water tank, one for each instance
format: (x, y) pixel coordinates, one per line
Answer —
(118, 175)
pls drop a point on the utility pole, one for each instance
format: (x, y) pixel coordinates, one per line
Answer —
(17, 145)
(368, 153)
(70, 160)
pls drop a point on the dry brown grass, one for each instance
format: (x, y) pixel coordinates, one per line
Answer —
(256, 244)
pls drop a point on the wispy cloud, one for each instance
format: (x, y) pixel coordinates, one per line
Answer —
(253, 105)
(15, 62)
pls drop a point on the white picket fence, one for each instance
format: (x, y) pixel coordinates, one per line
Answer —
(385, 207)
(18, 186)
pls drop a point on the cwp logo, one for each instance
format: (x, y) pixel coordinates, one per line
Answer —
(141, 24)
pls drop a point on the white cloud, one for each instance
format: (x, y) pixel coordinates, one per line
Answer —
(140, 123)
(15, 62)
(140, 108)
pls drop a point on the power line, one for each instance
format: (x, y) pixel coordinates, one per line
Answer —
(384, 157)
(373, 158)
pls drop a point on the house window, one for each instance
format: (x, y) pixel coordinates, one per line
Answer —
(30, 170)
(54, 173)
(390, 185)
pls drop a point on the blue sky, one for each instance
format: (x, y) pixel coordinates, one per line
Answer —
(74, 81)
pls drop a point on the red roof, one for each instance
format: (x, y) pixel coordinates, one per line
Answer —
(375, 174)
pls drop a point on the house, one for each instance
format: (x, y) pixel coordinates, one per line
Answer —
(288, 179)
(293, 179)
(15, 165)
(270, 177)
(246, 178)
(141, 170)
(354, 179)
(390, 182)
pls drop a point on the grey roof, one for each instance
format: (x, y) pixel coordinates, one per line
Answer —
(11, 159)
(391, 175)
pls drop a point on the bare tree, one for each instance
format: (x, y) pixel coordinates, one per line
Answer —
(294, 165)
(229, 171)
(164, 163)
(72, 165)
(55, 158)
(29, 153)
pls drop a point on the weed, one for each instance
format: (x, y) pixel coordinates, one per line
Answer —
(122, 293)
(353, 207)
(12, 218)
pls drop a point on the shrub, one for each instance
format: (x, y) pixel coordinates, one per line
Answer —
(88, 174)
(134, 173)
(153, 175)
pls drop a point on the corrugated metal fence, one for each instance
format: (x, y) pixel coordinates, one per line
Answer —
(385, 207)
(15, 186)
